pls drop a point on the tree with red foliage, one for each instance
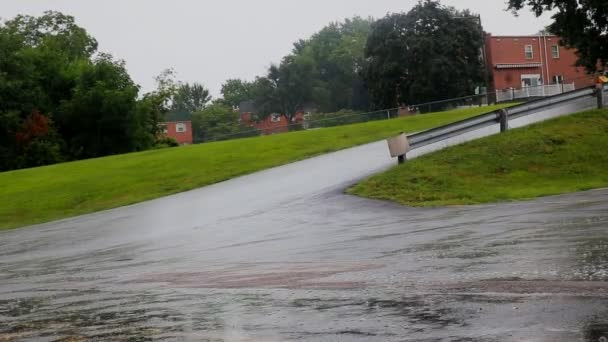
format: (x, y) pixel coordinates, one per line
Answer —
(36, 143)
(35, 126)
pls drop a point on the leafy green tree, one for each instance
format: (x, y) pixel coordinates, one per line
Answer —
(287, 88)
(190, 98)
(149, 112)
(430, 53)
(323, 71)
(39, 58)
(581, 24)
(53, 31)
(58, 102)
(166, 85)
(215, 121)
(98, 120)
(236, 91)
(151, 109)
(337, 52)
(36, 55)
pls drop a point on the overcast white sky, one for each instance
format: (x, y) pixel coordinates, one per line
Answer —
(211, 41)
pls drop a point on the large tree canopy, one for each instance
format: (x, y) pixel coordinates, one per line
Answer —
(60, 100)
(430, 53)
(323, 70)
(236, 91)
(291, 84)
(99, 118)
(337, 55)
(581, 24)
(216, 121)
(190, 98)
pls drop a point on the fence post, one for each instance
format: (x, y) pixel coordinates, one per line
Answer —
(600, 96)
(388, 114)
(503, 118)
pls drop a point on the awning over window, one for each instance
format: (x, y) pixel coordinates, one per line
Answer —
(517, 65)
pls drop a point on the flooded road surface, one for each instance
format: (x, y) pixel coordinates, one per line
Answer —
(284, 255)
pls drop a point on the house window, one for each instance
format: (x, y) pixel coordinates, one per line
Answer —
(532, 80)
(275, 117)
(555, 51)
(529, 52)
(180, 127)
(558, 79)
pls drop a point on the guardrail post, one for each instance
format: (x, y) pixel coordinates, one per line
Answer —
(398, 147)
(503, 118)
(600, 97)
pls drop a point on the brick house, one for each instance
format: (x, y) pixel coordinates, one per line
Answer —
(533, 61)
(273, 123)
(181, 131)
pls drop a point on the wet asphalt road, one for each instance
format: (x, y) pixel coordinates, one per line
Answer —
(284, 255)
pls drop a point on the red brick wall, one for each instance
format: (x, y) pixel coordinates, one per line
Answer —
(511, 50)
(267, 126)
(183, 138)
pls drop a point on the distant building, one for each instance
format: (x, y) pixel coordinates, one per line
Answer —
(273, 123)
(535, 63)
(181, 131)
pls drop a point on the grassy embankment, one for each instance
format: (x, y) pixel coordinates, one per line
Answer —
(563, 155)
(64, 190)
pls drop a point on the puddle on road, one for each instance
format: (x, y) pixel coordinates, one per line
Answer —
(286, 276)
(592, 260)
(527, 287)
(271, 315)
(103, 316)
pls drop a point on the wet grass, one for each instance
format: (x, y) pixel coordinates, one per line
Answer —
(65, 190)
(563, 155)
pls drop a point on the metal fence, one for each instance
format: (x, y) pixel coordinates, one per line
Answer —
(531, 92)
(309, 121)
(560, 104)
(322, 120)
(346, 117)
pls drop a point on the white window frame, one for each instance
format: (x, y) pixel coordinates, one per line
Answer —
(274, 117)
(531, 77)
(555, 53)
(181, 127)
(529, 51)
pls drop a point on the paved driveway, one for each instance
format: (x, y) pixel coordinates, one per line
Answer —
(285, 255)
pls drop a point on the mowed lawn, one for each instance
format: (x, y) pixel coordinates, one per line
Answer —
(53, 192)
(563, 155)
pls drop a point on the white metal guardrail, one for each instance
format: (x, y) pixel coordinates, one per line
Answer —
(544, 108)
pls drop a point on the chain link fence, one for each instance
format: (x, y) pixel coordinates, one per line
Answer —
(308, 121)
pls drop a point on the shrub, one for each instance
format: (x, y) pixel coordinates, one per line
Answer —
(166, 142)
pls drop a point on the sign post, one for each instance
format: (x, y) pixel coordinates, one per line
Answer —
(398, 147)
(601, 82)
